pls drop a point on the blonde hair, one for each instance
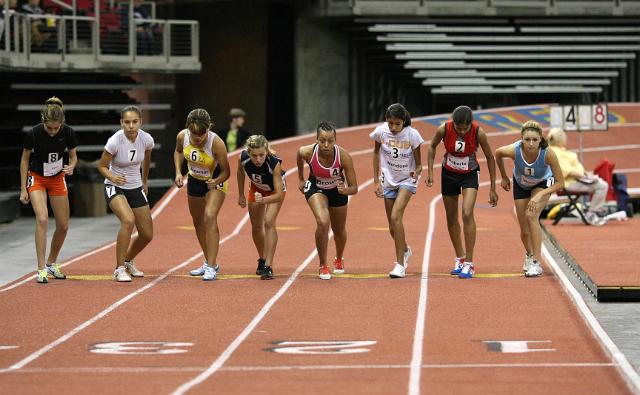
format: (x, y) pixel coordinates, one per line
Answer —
(199, 121)
(258, 141)
(534, 127)
(557, 137)
(52, 111)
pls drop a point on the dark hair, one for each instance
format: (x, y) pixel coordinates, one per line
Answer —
(397, 110)
(535, 127)
(462, 115)
(200, 121)
(325, 127)
(135, 109)
(52, 111)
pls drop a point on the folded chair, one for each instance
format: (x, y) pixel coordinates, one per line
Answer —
(565, 211)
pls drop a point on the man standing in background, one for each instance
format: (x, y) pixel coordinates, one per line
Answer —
(235, 135)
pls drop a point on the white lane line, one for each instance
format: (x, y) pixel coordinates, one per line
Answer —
(156, 211)
(37, 354)
(231, 348)
(271, 368)
(418, 337)
(628, 373)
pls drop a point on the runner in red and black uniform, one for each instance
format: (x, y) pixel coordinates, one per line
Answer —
(42, 174)
(461, 175)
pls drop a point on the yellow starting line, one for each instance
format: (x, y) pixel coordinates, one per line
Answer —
(105, 277)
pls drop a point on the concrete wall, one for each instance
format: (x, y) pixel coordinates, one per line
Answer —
(322, 89)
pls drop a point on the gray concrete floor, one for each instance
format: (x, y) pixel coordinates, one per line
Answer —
(17, 245)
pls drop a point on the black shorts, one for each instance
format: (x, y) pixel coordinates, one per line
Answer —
(334, 197)
(453, 183)
(521, 193)
(135, 197)
(199, 188)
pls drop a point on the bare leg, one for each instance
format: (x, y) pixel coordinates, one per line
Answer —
(453, 226)
(121, 209)
(338, 225)
(39, 204)
(468, 221)
(271, 234)
(257, 214)
(144, 225)
(196, 209)
(319, 205)
(214, 199)
(525, 234)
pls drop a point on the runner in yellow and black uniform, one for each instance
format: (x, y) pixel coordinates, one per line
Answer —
(207, 186)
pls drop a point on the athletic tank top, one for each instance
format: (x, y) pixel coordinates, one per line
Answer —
(200, 161)
(528, 175)
(326, 177)
(261, 177)
(461, 150)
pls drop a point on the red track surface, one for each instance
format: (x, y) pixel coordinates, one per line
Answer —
(235, 323)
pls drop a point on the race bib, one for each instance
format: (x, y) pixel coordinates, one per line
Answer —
(529, 182)
(199, 172)
(458, 162)
(53, 167)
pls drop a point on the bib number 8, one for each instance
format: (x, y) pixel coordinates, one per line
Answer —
(550, 182)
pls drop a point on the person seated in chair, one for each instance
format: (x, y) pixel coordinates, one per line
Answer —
(576, 180)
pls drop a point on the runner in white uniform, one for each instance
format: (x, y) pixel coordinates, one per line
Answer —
(125, 189)
(397, 153)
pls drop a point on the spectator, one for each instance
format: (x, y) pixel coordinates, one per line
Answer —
(39, 35)
(144, 30)
(9, 7)
(576, 179)
(235, 135)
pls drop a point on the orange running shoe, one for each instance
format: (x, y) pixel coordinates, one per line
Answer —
(324, 273)
(338, 266)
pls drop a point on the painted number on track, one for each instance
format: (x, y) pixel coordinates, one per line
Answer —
(322, 347)
(516, 346)
(140, 348)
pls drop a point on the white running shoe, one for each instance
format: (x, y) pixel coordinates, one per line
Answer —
(200, 271)
(54, 270)
(398, 271)
(527, 262)
(121, 275)
(535, 270)
(41, 276)
(132, 269)
(209, 274)
(407, 256)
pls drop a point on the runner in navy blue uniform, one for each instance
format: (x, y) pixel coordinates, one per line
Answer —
(266, 194)
(42, 173)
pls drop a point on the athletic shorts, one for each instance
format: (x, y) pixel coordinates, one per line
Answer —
(521, 193)
(253, 189)
(52, 185)
(135, 197)
(335, 198)
(392, 193)
(199, 188)
(453, 183)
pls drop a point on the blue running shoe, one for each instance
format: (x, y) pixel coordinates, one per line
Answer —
(457, 268)
(467, 270)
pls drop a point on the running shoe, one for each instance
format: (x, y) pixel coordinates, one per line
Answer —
(267, 273)
(324, 273)
(338, 266)
(527, 263)
(398, 271)
(407, 256)
(457, 266)
(466, 271)
(535, 270)
(132, 269)
(200, 271)
(261, 263)
(41, 276)
(121, 275)
(54, 270)
(210, 273)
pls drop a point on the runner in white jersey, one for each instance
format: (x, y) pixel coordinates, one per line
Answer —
(397, 153)
(126, 153)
